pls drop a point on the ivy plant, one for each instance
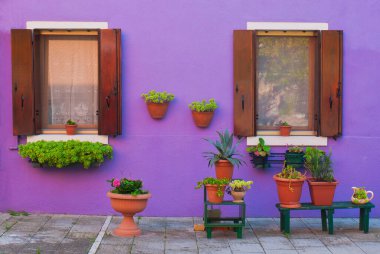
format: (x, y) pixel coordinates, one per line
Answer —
(203, 106)
(59, 154)
(157, 97)
(213, 181)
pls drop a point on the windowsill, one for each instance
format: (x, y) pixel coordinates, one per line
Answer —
(63, 137)
(289, 140)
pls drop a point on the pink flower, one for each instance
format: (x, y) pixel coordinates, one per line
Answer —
(116, 183)
(257, 153)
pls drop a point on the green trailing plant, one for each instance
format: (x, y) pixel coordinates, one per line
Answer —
(226, 150)
(157, 97)
(260, 150)
(61, 154)
(289, 172)
(213, 181)
(319, 165)
(283, 123)
(70, 122)
(203, 106)
(295, 149)
(240, 185)
(360, 193)
(127, 186)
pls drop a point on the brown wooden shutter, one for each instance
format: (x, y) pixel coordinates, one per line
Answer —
(331, 83)
(244, 83)
(109, 82)
(22, 82)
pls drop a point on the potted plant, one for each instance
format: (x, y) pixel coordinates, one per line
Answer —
(322, 184)
(127, 198)
(71, 127)
(215, 188)
(285, 128)
(259, 153)
(203, 112)
(294, 156)
(289, 186)
(360, 196)
(157, 103)
(238, 188)
(226, 156)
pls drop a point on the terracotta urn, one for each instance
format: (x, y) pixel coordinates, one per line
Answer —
(128, 205)
(70, 129)
(224, 169)
(285, 130)
(321, 193)
(289, 191)
(212, 193)
(202, 119)
(238, 196)
(157, 110)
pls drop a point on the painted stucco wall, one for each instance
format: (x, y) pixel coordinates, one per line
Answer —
(185, 47)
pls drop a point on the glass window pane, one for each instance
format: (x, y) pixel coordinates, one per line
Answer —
(285, 77)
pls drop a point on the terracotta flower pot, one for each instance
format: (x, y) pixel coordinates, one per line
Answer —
(285, 130)
(202, 119)
(289, 191)
(321, 193)
(128, 205)
(238, 196)
(224, 169)
(212, 193)
(70, 129)
(157, 110)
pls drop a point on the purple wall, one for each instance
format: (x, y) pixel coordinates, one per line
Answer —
(185, 47)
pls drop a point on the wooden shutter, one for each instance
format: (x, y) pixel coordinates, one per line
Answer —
(109, 121)
(244, 83)
(331, 83)
(22, 82)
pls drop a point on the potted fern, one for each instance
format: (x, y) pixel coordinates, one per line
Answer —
(157, 103)
(226, 156)
(259, 153)
(203, 112)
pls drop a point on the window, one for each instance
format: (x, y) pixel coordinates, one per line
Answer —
(293, 76)
(66, 74)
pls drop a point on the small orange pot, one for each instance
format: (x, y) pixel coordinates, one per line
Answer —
(212, 193)
(285, 130)
(238, 196)
(224, 169)
(289, 191)
(70, 129)
(202, 119)
(322, 193)
(128, 205)
(157, 110)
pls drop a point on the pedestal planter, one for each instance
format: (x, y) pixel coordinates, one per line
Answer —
(157, 110)
(224, 169)
(70, 129)
(238, 196)
(128, 205)
(212, 193)
(295, 160)
(202, 119)
(285, 130)
(321, 193)
(289, 191)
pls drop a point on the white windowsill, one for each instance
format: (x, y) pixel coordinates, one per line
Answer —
(289, 140)
(81, 137)
(287, 26)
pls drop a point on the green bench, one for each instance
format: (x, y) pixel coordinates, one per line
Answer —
(327, 214)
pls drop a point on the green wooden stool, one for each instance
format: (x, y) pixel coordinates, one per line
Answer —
(327, 215)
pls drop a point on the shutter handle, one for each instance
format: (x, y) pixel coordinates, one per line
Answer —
(242, 102)
(15, 85)
(237, 88)
(108, 101)
(37, 112)
(331, 102)
(22, 101)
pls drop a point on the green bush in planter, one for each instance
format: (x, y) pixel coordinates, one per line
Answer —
(61, 154)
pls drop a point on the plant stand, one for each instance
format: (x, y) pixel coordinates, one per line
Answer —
(212, 222)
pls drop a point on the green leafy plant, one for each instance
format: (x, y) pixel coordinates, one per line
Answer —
(240, 185)
(157, 97)
(15, 213)
(283, 123)
(70, 122)
(61, 154)
(295, 149)
(319, 164)
(226, 150)
(127, 186)
(214, 181)
(260, 150)
(360, 193)
(203, 106)
(289, 172)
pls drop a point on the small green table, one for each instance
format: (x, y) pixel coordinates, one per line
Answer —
(237, 223)
(327, 213)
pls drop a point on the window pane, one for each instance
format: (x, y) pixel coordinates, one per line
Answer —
(285, 78)
(70, 86)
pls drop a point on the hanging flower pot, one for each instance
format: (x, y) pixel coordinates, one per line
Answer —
(70, 127)
(215, 188)
(285, 128)
(294, 157)
(203, 112)
(259, 154)
(157, 103)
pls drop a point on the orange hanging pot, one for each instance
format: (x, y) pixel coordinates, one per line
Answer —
(157, 110)
(202, 119)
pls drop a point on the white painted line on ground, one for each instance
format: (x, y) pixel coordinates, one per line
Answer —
(100, 236)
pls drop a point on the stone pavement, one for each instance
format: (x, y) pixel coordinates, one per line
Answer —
(44, 233)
